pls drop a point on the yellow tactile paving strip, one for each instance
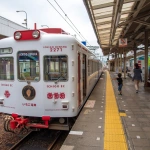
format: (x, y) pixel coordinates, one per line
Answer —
(114, 138)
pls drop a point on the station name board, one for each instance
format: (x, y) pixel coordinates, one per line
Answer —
(92, 47)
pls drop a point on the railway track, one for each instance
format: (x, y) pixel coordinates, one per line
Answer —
(54, 141)
(21, 141)
(44, 140)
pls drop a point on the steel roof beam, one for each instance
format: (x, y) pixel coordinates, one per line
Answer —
(103, 23)
(103, 16)
(106, 33)
(105, 44)
(91, 15)
(144, 14)
(111, 4)
(104, 37)
(139, 32)
(126, 12)
(116, 18)
(107, 22)
(139, 26)
(142, 22)
(110, 15)
(103, 5)
(134, 34)
(129, 1)
(103, 29)
(135, 14)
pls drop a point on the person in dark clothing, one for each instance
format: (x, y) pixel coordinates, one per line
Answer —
(137, 76)
(120, 83)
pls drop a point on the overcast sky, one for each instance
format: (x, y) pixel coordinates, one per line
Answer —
(42, 13)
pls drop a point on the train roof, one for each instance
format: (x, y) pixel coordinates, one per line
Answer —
(57, 32)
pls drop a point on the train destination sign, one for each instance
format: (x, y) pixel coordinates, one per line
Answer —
(6, 50)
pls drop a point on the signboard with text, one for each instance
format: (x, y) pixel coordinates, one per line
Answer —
(92, 47)
(139, 63)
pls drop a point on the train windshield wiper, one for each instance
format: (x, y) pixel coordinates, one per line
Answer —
(61, 75)
(56, 81)
(25, 78)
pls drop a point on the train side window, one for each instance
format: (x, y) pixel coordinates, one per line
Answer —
(55, 68)
(89, 67)
(6, 68)
(28, 65)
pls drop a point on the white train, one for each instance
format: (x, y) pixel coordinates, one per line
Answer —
(45, 78)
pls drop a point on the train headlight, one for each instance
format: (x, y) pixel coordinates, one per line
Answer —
(61, 120)
(36, 34)
(17, 35)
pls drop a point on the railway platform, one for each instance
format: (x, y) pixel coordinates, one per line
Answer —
(109, 121)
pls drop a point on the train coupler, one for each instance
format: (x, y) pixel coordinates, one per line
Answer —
(46, 119)
(18, 123)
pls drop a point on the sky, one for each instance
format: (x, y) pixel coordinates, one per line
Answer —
(42, 12)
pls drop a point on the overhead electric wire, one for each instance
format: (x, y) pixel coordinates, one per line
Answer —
(69, 19)
(66, 20)
(62, 16)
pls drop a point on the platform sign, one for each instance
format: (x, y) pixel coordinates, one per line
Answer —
(149, 66)
(149, 61)
(83, 42)
(123, 42)
(139, 63)
(92, 47)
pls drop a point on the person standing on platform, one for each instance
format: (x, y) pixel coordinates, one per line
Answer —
(137, 76)
(120, 83)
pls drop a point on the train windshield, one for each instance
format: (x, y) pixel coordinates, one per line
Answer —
(28, 68)
(55, 68)
(6, 68)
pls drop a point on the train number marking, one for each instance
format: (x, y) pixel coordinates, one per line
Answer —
(55, 48)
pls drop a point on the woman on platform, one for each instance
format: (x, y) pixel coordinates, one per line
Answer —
(137, 76)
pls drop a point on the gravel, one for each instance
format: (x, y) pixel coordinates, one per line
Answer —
(8, 139)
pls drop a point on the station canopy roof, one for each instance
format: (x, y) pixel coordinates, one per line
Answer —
(114, 19)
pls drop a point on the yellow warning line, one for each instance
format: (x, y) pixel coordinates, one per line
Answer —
(114, 138)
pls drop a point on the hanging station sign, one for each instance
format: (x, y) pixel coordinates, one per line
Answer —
(122, 42)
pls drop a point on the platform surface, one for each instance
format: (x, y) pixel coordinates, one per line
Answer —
(110, 121)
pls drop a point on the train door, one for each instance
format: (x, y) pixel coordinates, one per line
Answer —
(84, 75)
(79, 78)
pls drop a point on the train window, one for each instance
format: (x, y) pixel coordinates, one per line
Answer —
(55, 68)
(6, 68)
(28, 65)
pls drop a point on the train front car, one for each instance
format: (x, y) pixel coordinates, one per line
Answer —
(43, 83)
